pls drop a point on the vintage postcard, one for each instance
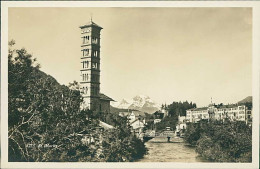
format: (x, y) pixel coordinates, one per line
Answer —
(130, 85)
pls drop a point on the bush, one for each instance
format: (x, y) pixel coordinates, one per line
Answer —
(221, 142)
(120, 144)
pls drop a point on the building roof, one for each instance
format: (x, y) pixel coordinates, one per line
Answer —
(216, 106)
(198, 109)
(91, 23)
(139, 122)
(228, 106)
(104, 97)
(105, 125)
(123, 114)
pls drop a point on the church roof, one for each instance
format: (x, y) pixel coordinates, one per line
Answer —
(105, 125)
(104, 97)
(91, 23)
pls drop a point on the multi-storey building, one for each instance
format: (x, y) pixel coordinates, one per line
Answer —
(90, 69)
(233, 112)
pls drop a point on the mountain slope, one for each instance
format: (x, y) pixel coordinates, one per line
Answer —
(248, 99)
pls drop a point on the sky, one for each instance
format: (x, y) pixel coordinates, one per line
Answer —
(168, 54)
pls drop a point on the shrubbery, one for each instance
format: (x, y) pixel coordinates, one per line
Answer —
(221, 141)
(121, 144)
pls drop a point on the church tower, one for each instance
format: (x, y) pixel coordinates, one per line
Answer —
(90, 65)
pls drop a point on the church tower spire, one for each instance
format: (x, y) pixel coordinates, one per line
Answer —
(90, 65)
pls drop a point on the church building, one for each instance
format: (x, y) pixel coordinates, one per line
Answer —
(90, 69)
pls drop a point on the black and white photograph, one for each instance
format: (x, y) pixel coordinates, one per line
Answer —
(135, 85)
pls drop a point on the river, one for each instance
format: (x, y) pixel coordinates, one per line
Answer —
(159, 150)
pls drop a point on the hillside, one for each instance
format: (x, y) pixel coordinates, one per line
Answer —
(248, 99)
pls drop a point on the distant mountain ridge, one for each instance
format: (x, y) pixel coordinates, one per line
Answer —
(248, 99)
(140, 102)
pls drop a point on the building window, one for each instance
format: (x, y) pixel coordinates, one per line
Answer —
(94, 40)
(85, 52)
(94, 65)
(95, 53)
(85, 39)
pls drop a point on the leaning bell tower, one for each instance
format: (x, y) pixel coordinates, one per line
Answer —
(90, 65)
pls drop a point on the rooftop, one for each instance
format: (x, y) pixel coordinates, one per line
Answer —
(216, 106)
(104, 97)
(89, 24)
(198, 109)
(105, 125)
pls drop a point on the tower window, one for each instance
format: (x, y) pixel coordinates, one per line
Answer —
(85, 39)
(85, 64)
(95, 53)
(94, 40)
(93, 65)
(85, 52)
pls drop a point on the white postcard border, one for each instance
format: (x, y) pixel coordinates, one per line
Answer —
(4, 85)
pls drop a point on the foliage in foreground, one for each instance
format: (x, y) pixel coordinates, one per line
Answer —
(45, 122)
(121, 145)
(221, 141)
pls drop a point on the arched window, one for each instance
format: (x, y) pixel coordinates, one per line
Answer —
(86, 52)
(87, 63)
(83, 89)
